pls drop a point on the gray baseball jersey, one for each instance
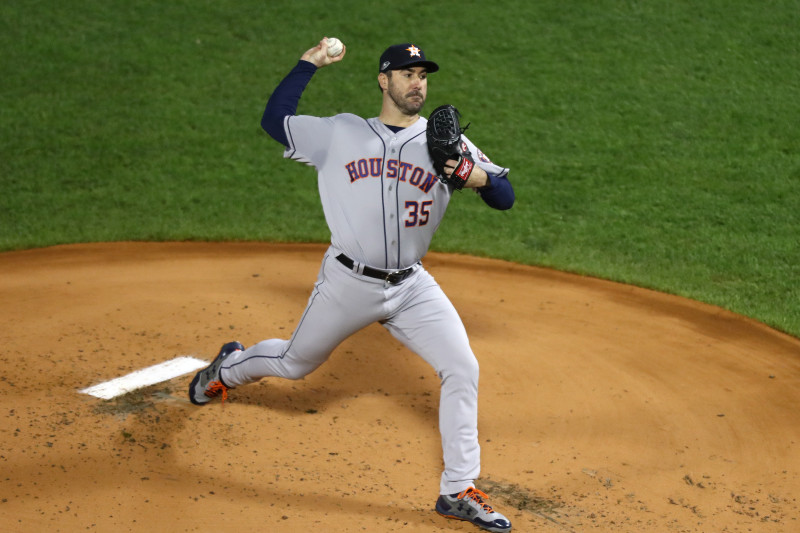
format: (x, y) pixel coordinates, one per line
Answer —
(364, 166)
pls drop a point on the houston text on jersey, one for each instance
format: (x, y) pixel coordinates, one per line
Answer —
(373, 167)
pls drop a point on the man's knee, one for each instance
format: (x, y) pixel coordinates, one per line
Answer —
(465, 371)
(297, 370)
(294, 366)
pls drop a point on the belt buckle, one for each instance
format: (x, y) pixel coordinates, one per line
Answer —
(397, 276)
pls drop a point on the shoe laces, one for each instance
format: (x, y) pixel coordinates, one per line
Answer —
(478, 497)
(215, 388)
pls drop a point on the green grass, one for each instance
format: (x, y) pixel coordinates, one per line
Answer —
(655, 143)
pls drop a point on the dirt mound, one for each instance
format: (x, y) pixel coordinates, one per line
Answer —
(602, 406)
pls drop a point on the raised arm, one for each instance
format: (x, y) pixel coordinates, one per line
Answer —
(286, 97)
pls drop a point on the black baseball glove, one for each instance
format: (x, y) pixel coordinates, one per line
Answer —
(444, 143)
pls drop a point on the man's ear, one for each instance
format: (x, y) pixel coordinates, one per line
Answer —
(383, 81)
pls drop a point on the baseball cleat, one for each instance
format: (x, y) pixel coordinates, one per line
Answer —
(471, 506)
(207, 384)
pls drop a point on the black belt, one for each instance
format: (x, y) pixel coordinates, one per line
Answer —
(393, 276)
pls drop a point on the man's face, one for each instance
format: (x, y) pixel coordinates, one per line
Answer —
(408, 89)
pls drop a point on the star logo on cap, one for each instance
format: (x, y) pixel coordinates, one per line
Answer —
(414, 51)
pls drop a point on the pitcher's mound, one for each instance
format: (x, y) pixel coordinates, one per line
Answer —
(602, 406)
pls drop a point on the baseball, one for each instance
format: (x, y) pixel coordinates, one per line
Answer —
(335, 46)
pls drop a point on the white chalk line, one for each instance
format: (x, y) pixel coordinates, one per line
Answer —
(145, 377)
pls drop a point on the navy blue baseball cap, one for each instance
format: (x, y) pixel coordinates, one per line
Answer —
(403, 56)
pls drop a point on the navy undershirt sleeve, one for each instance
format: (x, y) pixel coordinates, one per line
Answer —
(284, 100)
(499, 194)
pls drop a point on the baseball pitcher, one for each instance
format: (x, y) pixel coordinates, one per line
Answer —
(385, 183)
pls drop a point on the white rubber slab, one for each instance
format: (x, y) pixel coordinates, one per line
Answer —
(145, 377)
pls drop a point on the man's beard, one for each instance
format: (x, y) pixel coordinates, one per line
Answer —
(403, 102)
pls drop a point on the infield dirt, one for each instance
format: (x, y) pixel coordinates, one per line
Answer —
(603, 407)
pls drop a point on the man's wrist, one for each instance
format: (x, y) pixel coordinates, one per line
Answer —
(479, 178)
